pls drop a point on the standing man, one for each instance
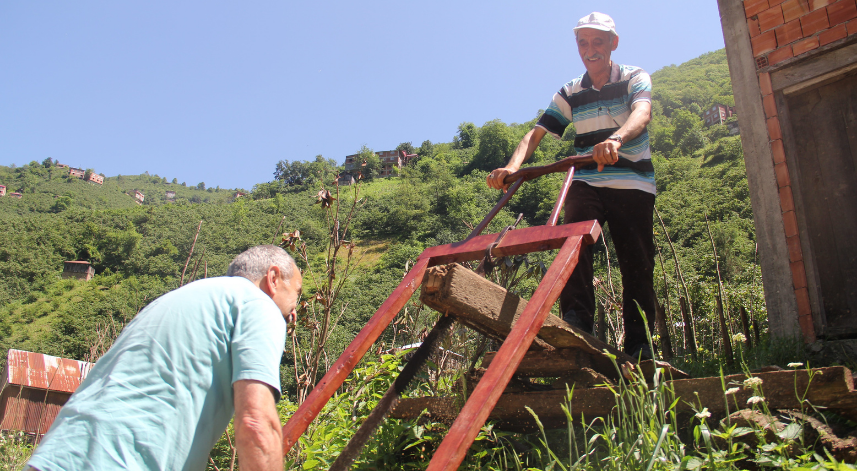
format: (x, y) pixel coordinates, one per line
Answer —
(610, 106)
(163, 394)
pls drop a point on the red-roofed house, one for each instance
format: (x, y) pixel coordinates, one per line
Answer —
(2, 190)
(34, 387)
(76, 172)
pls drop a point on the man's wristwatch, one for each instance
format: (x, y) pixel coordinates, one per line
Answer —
(617, 138)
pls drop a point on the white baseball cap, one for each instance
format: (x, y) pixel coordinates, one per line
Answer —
(598, 21)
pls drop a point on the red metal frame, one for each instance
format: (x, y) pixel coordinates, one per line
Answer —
(569, 238)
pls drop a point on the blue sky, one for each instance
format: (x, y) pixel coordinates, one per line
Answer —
(220, 91)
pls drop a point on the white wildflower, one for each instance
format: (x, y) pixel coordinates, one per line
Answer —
(795, 365)
(755, 400)
(752, 382)
(739, 338)
(703, 414)
(732, 391)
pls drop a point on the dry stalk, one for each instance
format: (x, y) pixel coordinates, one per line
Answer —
(190, 254)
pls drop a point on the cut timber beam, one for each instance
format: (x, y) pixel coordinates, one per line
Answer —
(832, 388)
(564, 361)
(488, 308)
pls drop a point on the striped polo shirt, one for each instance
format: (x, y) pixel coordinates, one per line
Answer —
(596, 115)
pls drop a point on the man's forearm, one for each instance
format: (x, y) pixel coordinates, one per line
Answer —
(259, 445)
(258, 434)
(526, 148)
(637, 121)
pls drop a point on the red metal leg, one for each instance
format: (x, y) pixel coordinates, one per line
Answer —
(340, 370)
(563, 192)
(451, 451)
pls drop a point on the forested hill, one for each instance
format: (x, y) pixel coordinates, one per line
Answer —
(140, 251)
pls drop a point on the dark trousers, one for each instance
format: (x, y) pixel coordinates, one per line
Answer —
(628, 214)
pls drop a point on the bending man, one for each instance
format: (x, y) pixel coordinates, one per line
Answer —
(163, 394)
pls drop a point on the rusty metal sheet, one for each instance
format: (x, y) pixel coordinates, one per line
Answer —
(37, 370)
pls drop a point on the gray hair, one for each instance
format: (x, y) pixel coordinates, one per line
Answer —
(254, 262)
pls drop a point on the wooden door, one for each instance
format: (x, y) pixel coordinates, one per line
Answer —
(824, 126)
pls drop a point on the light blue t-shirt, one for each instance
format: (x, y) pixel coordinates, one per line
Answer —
(162, 396)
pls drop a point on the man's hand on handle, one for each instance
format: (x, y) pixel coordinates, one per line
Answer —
(495, 178)
(606, 153)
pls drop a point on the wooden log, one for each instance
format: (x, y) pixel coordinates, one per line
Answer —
(549, 363)
(567, 361)
(831, 387)
(488, 308)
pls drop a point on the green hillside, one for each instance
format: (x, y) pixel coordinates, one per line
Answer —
(141, 251)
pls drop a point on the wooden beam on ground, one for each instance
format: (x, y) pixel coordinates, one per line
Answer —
(488, 308)
(832, 388)
(564, 361)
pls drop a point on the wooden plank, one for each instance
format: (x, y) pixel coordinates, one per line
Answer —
(824, 169)
(490, 309)
(831, 387)
(563, 362)
(800, 76)
(548, 363)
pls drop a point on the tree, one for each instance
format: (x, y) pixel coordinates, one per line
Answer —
(496, 143)
(200, 186)
(369, 163)
(292, 173)
(175, 181)
(408, 147)
(467, 135)
(426, 149)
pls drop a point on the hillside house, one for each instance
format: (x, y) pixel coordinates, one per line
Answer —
(717, 114)
(61, 165)
(139, 196)
(238, 194)
(170, 196)
(33, 389)
(78, 269)
(390, 159)
(793, 65)
(76, 172)
(96, 178)
(2, 190)
(15, 195)
(345, 179)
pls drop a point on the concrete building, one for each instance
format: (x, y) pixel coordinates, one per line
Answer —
(792, 65)
(15, 195)
(33, 389)
(2, 190)
(76, 172)
(390, 160)
(717, 114)
(96, 178)
(139, 196)
(80, 270)
(170, 196)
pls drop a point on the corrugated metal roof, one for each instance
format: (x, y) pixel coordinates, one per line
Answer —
(37, 370)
